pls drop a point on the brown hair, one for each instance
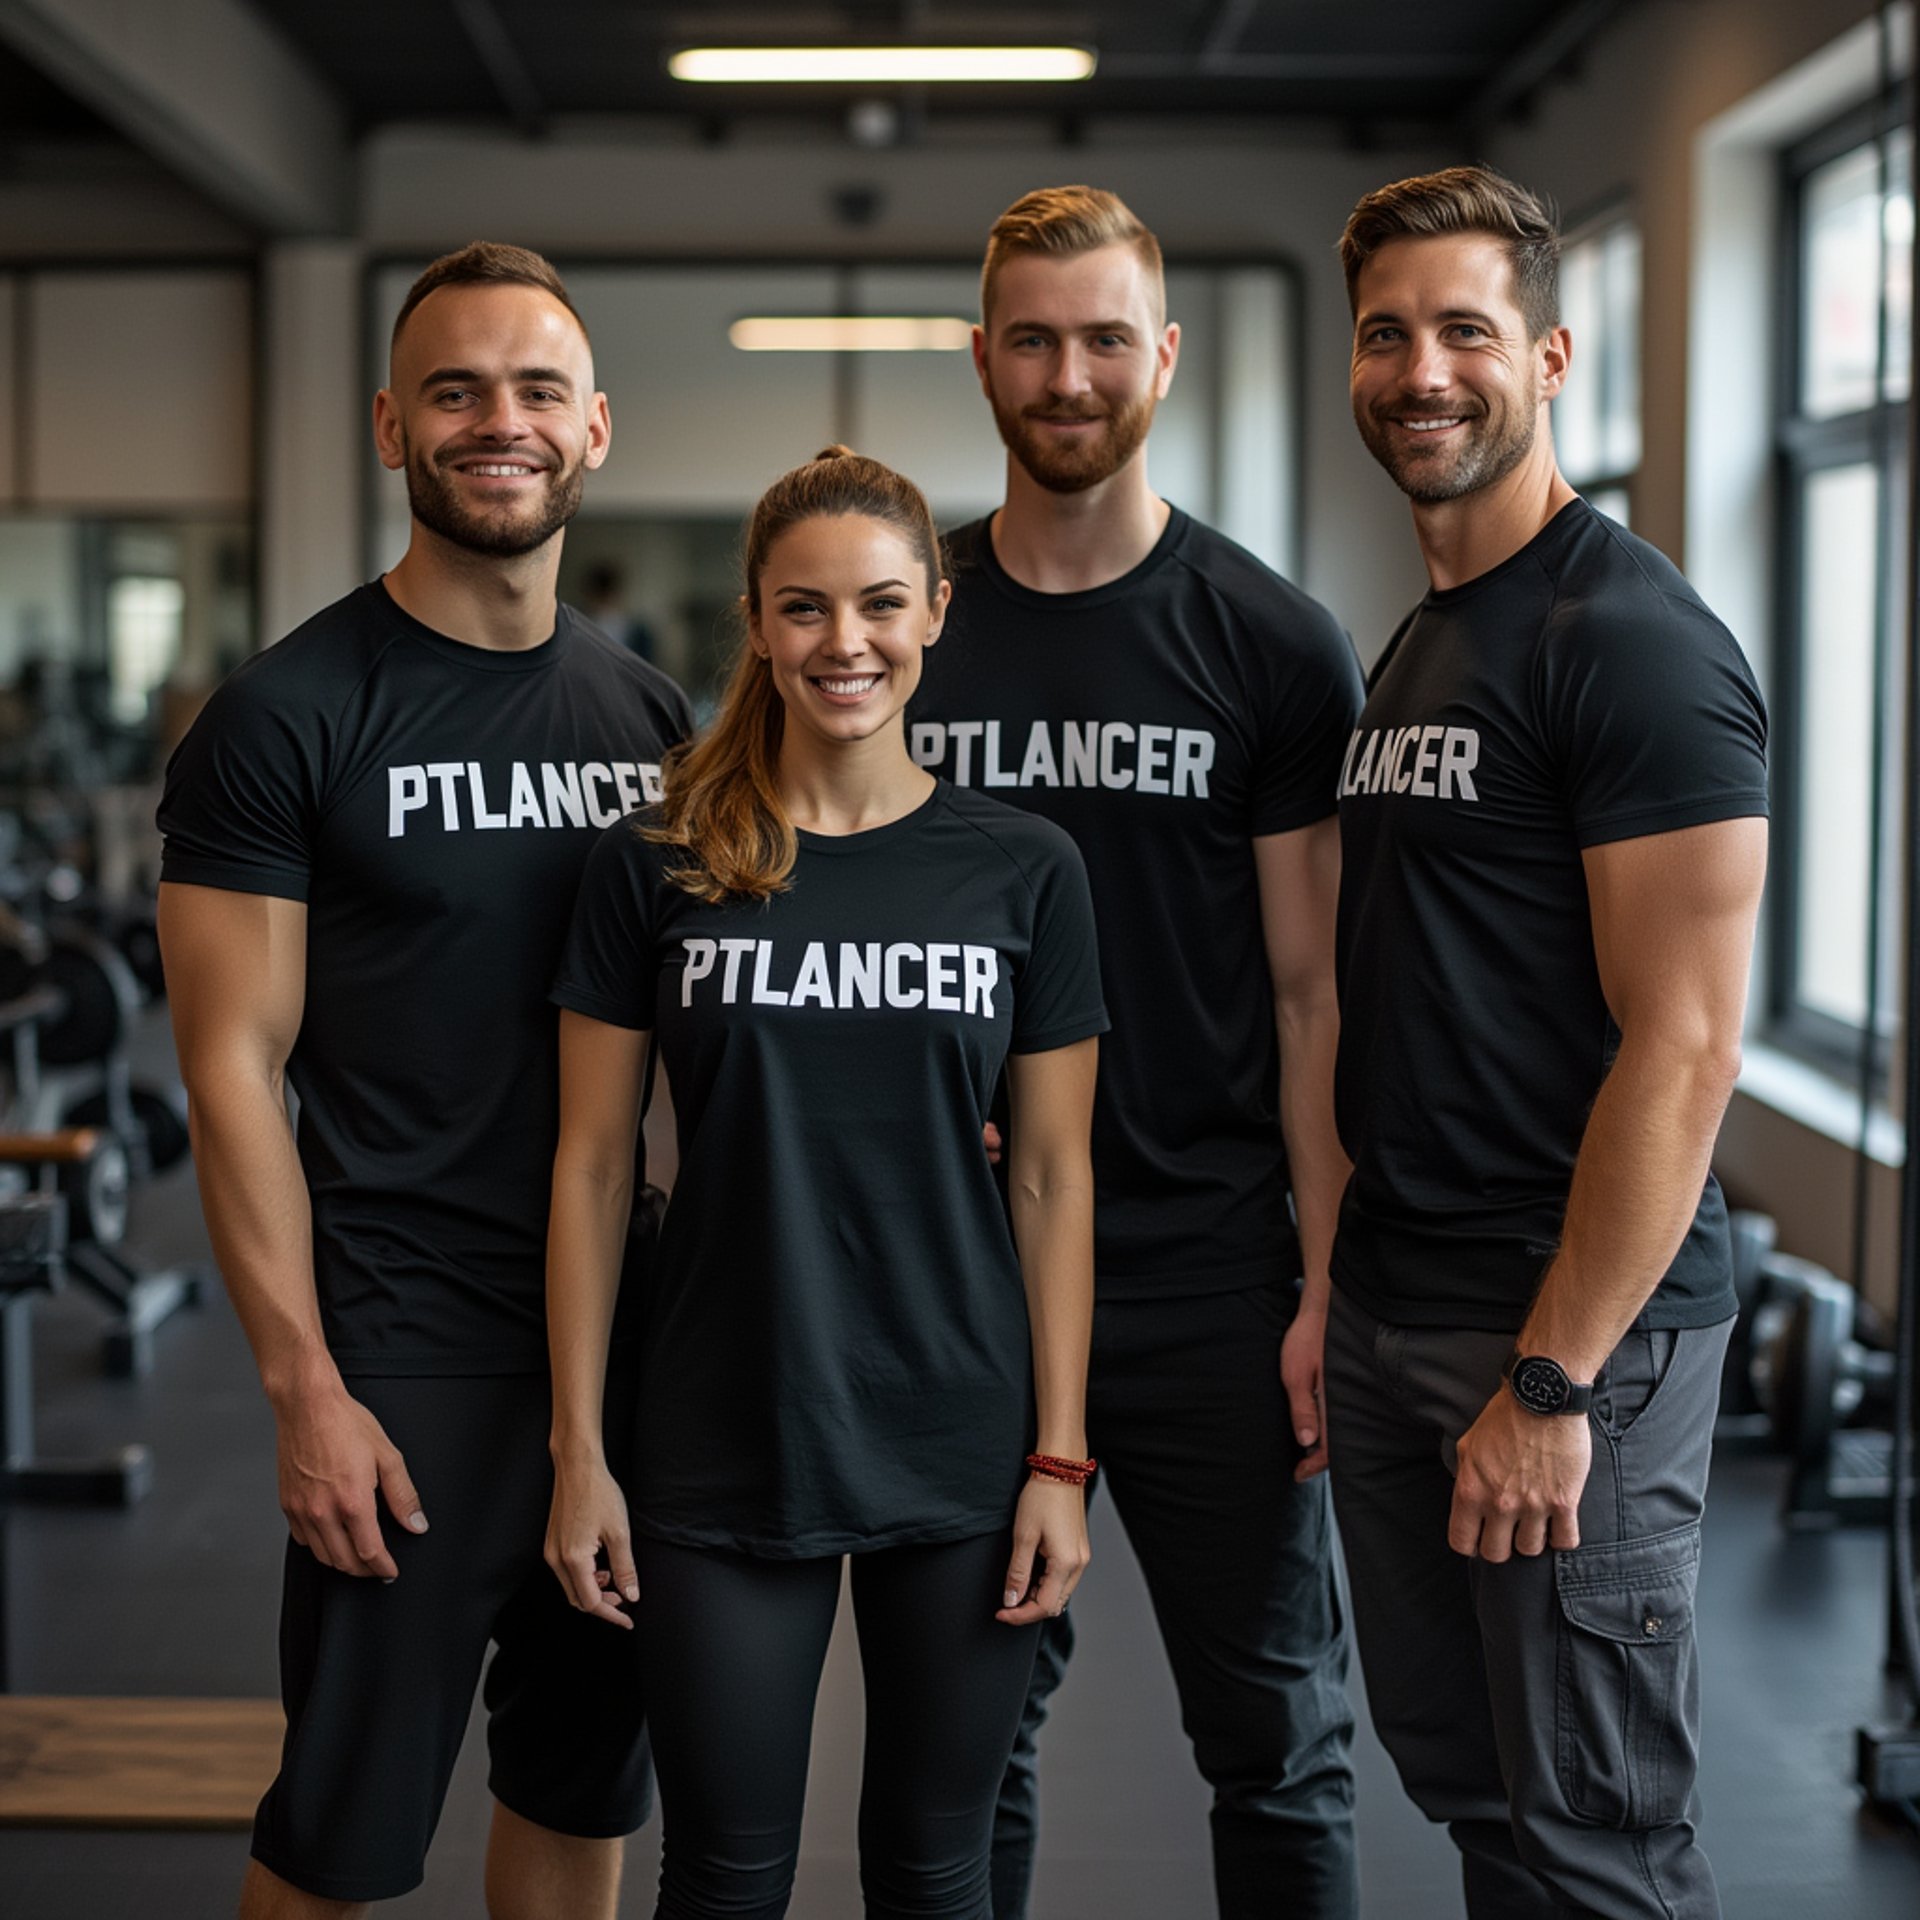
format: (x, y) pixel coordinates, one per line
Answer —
(1465, 200)
(1064, 221)
(486, 263)
(722, 793)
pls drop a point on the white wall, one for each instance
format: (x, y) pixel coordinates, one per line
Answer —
(141, 389)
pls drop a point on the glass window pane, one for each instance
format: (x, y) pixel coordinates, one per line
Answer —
(1836, 717)
(1596, 420)
(1621, 345)
(1841, 252)
(1576, 413)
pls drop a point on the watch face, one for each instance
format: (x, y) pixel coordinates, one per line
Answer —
(1540, 1384)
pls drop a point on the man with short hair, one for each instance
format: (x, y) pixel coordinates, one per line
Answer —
(1553, 816)
(1180, 710)
(373, 836)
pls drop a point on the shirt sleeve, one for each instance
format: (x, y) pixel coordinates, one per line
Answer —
(1657, 724)
(609, 970)
(1057, 998)
(1312, 702)
(243, 793)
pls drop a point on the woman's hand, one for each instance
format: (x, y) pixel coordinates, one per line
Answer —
(1049, 1525)
(589, 1513)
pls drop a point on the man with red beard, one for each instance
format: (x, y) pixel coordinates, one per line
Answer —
(373, 837)
(1181, 711)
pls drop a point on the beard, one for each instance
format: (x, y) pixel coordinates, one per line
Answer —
(1492, 445)
(1074, 467)
(503, 531)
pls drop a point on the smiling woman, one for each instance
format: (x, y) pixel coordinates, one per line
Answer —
(849, 1353)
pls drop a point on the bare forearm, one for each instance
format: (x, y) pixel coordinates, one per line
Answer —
(586, 1240)
(1309, 1039)
(260, 1221)
(1636, 1184)
(1053, 1229)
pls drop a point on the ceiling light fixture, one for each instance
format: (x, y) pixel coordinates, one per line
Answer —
(851, 333)
(877, 66)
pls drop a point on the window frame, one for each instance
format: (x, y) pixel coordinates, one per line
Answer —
(1594, 227)
(1803, 449)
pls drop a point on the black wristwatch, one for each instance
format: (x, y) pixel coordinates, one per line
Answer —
(1541, 1385)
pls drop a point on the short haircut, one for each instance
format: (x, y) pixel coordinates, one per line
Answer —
(1465, 200)
(1064, 221)
(486, 263)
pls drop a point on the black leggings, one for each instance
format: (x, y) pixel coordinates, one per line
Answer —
(733, 1647)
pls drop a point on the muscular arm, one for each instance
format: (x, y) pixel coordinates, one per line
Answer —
(1299, 880)
(236, 985)
(601, 1069)
(1050, 1186)
(1673, 920)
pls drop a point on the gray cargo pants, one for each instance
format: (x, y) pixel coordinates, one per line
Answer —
(1547, 1709)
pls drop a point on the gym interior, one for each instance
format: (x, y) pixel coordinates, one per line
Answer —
(209, 212)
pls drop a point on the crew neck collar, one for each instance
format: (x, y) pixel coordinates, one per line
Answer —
(464, 653)
(1552, 534)
(874, 836)
(1171, 536)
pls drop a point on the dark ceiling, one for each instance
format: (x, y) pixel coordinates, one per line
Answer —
(1359, 66)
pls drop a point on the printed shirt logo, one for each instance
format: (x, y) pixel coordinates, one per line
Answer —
(942, 976)
(1090, 753)
(1429, 762)
(563, 793)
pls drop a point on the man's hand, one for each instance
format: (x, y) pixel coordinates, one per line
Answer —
(336, 1462)
(1518, 1483)
(1300, 1357)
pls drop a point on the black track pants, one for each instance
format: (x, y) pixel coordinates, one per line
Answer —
(1187, 1415)
(735, 1645)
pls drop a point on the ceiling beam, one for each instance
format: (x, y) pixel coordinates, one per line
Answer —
(209, 90)
(1220, 31)
(511, 79)
(1535, 60)
(1330, 67)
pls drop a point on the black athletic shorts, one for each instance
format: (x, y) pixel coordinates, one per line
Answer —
(378, 1680)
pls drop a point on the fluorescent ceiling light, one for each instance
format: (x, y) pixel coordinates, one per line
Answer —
(876, 66)
(851, 333)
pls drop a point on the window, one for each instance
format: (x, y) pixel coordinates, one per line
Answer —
(1841, 447)
(1596, 420)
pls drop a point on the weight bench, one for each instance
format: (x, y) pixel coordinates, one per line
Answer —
(33, 1244)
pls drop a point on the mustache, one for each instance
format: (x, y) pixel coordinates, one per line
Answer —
(1461, 412)
(1064, 413)
(499, 456)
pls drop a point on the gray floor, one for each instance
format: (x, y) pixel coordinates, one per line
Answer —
(179, 1596)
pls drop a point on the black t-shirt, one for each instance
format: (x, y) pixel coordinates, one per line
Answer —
(1577, 694)
(433, 804)
(1164, 720)
(836, 1351)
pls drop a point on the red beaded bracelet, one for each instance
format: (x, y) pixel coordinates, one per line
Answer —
(1050, 1466)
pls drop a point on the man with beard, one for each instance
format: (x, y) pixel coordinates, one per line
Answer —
(373, 836)
(1181, 711)
(1553, 819)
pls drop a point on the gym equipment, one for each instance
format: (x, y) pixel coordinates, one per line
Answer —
(72, 1071)
(1742, 1417)
(1819, 1376)
(33, 1246)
